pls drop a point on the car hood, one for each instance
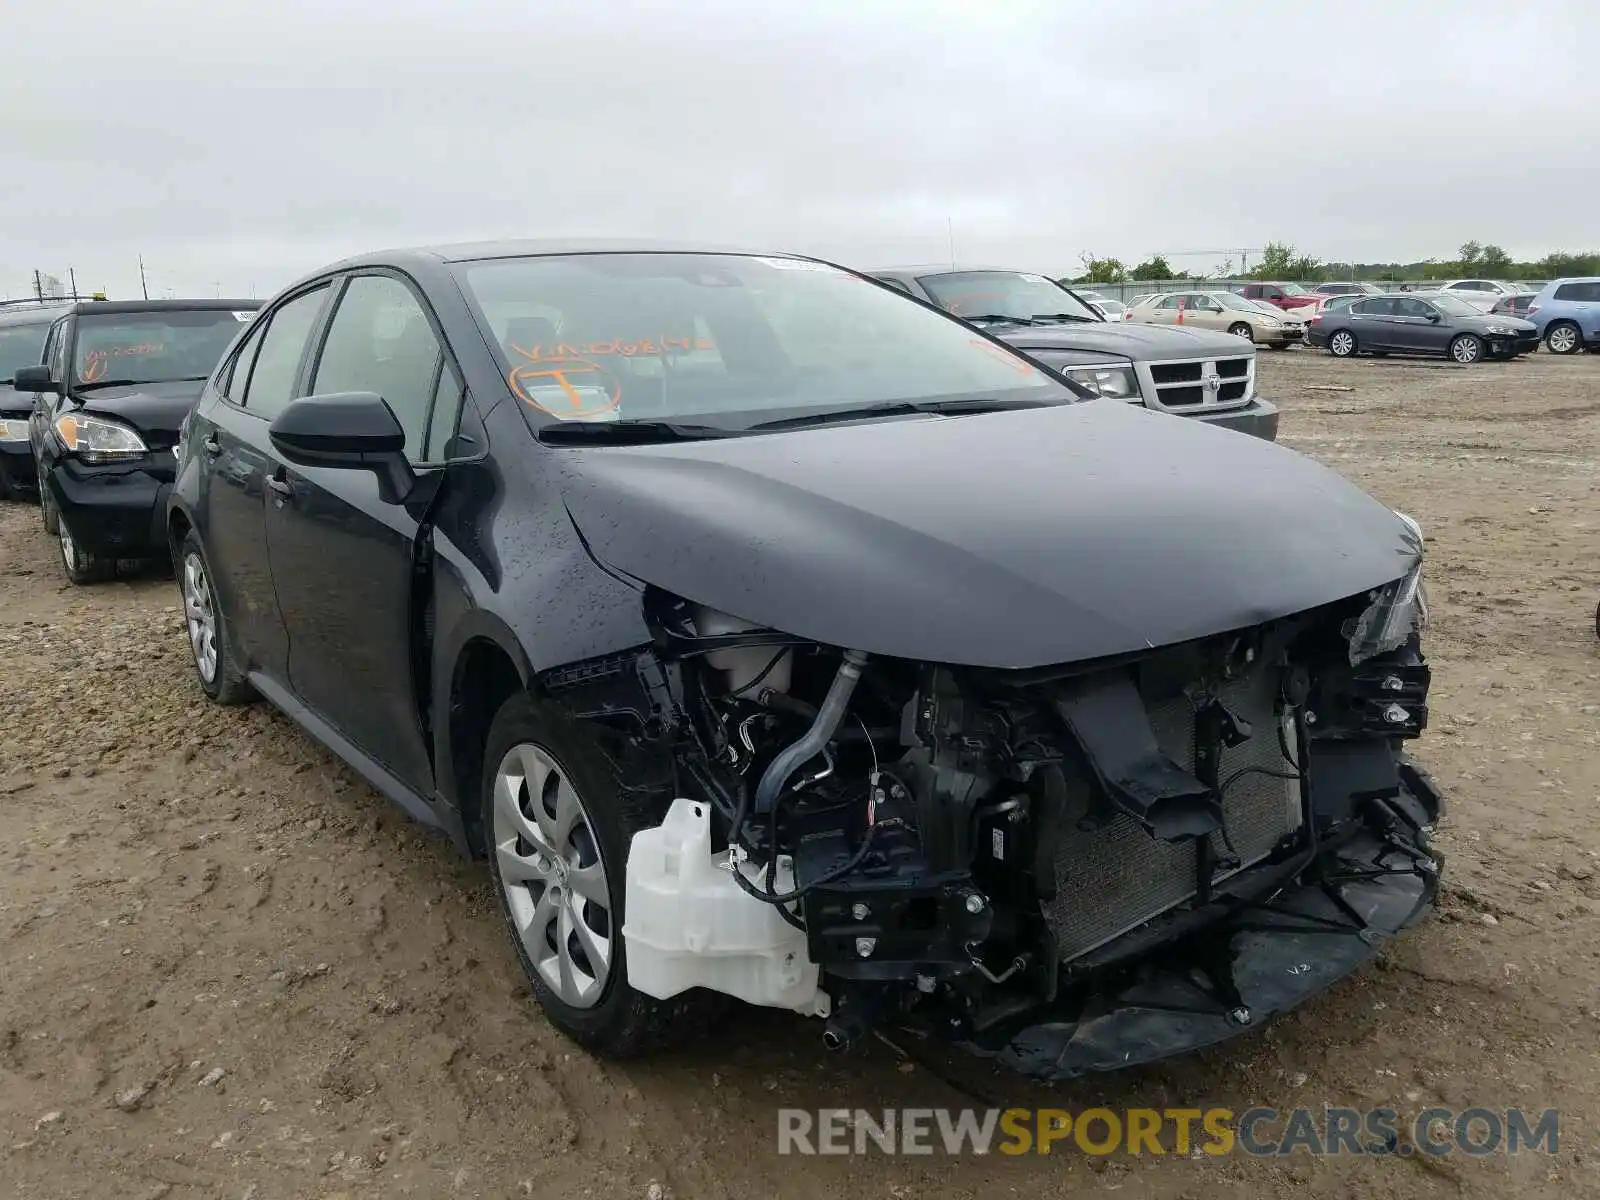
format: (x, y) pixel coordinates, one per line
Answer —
(156, 410)
(1131, 340)
(1009, 539)
(1499, 321)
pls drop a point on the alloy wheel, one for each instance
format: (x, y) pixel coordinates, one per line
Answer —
(1342, 343)
(1466, 349)
(553, 877)
(1242, 330)
(69, 548)
(200, 613)
(1563, 339)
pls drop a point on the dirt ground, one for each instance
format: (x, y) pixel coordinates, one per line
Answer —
(227, 969)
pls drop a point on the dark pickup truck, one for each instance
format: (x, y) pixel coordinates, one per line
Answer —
(1192, 373)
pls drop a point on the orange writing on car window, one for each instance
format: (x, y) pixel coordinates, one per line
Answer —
(95, 362)
(1011, 360)
(94, 367)
(618, 347)
(569, 374)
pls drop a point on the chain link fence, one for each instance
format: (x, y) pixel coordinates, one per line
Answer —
(1130, 291)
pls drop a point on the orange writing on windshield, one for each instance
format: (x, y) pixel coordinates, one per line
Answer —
(96, 361)
(618, 347)
(1005, 356)
(599, 394)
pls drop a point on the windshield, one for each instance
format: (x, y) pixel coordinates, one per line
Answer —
(20, 346)
(1014, 294)
(1292, 289)
(152, 347)
(1453, 305)
(725, 340)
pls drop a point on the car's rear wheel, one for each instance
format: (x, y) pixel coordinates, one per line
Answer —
(557, 830)
(81, 566)
(1341, 343)
(1563, 338)
(1466, 348)
(206, 625)
(1240, 329)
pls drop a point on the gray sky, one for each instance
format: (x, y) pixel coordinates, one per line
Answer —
(240, 144)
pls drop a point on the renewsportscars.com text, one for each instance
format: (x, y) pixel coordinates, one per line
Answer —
(1182, 1132)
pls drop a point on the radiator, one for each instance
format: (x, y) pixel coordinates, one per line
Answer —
(1116, 877)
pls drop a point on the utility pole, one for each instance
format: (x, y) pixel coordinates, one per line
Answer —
(72, 276)
(38, 286)
(143, 287)
(950, 236)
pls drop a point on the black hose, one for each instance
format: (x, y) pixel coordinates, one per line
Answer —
(810, 744)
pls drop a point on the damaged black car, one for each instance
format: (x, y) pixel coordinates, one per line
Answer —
(777, 637)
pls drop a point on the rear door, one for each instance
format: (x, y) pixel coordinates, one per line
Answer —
(344, 557)
(230, 436)
(1372, 323)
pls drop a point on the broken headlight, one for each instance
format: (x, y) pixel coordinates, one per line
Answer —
(1397, 610)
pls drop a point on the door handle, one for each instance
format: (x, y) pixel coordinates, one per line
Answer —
(210, 445)
(279, 484)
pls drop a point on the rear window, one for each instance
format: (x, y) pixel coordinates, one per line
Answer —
(1578, 291)
(152, 347)
(21, 346)
(708, 336)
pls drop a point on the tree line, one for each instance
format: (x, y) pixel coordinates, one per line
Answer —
(1279, 260)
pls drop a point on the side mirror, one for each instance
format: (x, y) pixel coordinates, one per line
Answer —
(1433, 315)
(348, 431)
(34, 379)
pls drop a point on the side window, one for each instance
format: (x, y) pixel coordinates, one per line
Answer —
(442, 419)
(235, 375)
(1169, 302)
(1580, 292)
(271, 385)
(1272, 293)
(1380, 306)
(380, 341)
(1410, 307)
(60, 336)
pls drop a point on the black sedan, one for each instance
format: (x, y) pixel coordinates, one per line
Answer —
(117, 381)
(23, 328)
(775, 635)
(1435, 323)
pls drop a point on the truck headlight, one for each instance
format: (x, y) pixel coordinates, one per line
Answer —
(1397, 610)
(1112, 382)
(99, 440)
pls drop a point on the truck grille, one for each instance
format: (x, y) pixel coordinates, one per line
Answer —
(1201, 382)
(1114, 878)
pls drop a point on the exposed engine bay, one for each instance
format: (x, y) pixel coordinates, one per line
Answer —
(1071, 868)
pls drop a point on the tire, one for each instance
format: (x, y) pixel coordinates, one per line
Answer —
(1466, 349)
(1240, 329)
(1277, 345)
(80, 566)
(1563, 337)
(206, 626)
(47, 511)
(1342, 344)
(537, 744)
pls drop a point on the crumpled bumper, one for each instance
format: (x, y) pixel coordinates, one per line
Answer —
(1263, 959)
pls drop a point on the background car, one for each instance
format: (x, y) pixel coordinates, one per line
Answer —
(1279, 295)
(23, 329)
(1348, 289)
(1111, 310)
(1486, 290)
(1191, 372)
(1226, 312)
(1437, 323)
(1513, 306)
(117, 382)
(1566, 313)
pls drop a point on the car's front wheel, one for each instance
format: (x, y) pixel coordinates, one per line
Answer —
(220, 676)
(81, 566)
(1562, 338)
(1341, 343)
(1240, 329)
(1466, 348)
(557, 830)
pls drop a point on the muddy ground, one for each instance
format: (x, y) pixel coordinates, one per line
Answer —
(227, 969)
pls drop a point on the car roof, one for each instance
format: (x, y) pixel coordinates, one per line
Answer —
(947, 269)
(114, 307)
(40, 315)
(541, 247)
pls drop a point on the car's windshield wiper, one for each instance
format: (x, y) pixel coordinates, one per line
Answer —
(622, 433)
(997, 319)
(1056, 318)
(902, 408)
(95, 384)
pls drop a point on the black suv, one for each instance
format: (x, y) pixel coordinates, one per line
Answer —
(117, 380)
(777, 636)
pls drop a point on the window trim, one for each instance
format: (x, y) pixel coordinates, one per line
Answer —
(446, 354)
(264, 319)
